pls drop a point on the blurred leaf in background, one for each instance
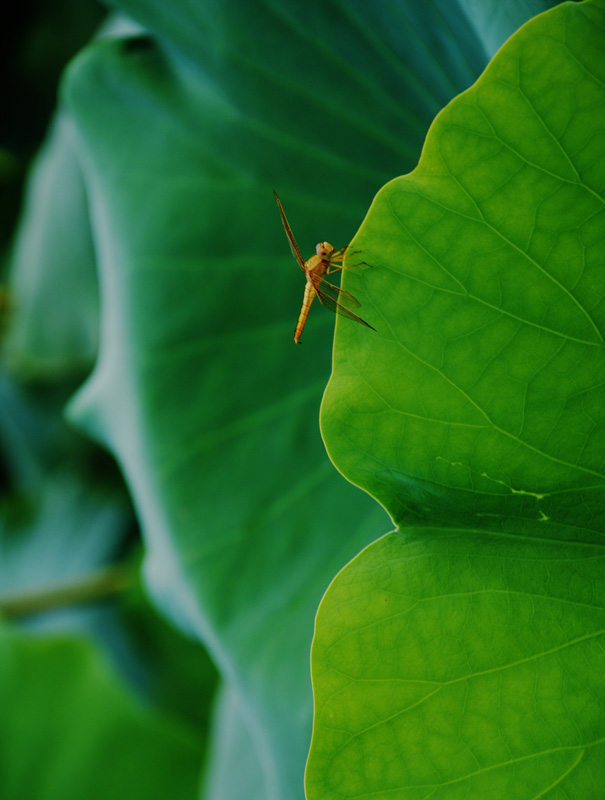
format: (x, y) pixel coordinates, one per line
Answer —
(69, 729)
(52, 262)
(68, 539)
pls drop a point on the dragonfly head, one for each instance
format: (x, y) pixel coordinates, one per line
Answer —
(324, 249)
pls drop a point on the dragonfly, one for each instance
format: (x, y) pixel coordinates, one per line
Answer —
(325, 261)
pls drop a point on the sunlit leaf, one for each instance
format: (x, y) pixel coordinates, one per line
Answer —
(462, 656)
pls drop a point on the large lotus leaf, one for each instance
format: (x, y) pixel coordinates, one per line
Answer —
(456, 664)
(196, 389)
(70, 730)
(481, 393)
(464, 659)
(368, 75)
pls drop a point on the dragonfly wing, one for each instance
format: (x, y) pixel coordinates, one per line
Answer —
(335, 293)
(293, 245)
(330, 295)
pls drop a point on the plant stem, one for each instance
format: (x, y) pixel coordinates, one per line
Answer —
(100, 585)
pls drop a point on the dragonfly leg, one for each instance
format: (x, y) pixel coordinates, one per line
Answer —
(344, 252)
(335, 267)
(339, 255)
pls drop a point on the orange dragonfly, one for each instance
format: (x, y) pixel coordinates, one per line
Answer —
(324, 262)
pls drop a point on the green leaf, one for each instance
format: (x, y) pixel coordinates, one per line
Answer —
(462, 656)
(233, 743)
(198, 390)
(54, 287)
(481, 394)
(454, 664)
(70, 730)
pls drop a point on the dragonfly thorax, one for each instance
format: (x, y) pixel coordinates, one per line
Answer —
(324, 249)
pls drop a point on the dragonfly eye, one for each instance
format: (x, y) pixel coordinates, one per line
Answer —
(324, 249)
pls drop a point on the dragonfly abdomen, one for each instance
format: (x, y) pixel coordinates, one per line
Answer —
(304, 311)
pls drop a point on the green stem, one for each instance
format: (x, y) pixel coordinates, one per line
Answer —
(100, 585)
